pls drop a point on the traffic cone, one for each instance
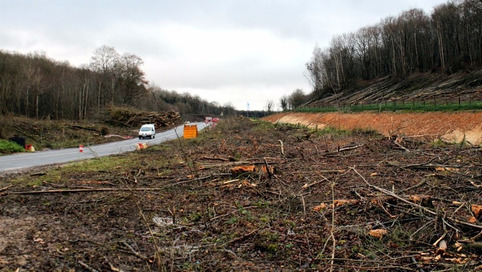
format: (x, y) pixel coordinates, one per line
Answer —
(81, 148)
(29, 148)
(141, 146)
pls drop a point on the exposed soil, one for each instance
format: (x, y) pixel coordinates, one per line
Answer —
(450, 127)
(328, 201)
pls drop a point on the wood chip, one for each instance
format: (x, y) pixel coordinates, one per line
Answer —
(320, 207)
(342, 202)
(477, 210)
(378, 233)
(253, 168)
(442, 248)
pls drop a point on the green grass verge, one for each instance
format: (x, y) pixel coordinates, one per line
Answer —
(406, 107)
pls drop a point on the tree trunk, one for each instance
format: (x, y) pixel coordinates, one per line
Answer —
(440, 46)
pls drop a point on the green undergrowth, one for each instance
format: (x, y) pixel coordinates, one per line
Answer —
(325, 131)
(7, 147)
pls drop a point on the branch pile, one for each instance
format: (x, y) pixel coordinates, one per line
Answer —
(133, 118)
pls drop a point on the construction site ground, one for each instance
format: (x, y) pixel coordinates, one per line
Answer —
(255, 196)
(452, 127)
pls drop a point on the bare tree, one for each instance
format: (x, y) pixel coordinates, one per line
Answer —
(297, 98)
(284, 103)
(103, 62)
(130, 78)
(269, 105)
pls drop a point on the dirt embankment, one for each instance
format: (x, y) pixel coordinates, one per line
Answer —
(450, 127)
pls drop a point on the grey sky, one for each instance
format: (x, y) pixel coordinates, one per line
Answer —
(227, 51)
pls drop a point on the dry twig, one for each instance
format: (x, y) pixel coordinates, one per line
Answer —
(134, 251)
(387, 192)
(332, 230)
(5, 188)
(86, 266)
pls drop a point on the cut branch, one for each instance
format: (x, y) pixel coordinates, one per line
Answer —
(63, 191)
(411, 203)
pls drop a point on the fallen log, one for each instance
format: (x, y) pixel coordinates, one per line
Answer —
(63, 191)
(216, 158)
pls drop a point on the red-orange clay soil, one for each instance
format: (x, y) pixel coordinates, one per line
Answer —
(450, 127)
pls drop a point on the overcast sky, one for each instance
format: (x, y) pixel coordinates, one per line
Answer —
(225, 51)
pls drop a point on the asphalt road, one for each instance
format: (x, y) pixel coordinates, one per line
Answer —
(21, 161)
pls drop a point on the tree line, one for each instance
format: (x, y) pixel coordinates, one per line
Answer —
(449, 40)
(36, 86)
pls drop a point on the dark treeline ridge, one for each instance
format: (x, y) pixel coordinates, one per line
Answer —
(34, 85)
(447, 41)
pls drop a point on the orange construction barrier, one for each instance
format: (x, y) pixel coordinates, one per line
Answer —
(190, 131)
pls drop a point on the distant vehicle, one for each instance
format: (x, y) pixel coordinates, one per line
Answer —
(147, 131)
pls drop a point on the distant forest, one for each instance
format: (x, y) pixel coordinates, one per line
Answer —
(449, 40)
(35, 86)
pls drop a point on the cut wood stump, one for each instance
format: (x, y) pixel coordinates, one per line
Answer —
(252, 168)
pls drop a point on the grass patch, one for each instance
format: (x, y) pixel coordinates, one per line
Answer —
(332, 131)
(326, 131)
(7, 147)
(99, 164)
(263, 126)
(62, 173)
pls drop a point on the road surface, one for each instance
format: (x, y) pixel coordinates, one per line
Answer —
(21, 161)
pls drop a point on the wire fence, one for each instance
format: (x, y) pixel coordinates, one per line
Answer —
(472, 101)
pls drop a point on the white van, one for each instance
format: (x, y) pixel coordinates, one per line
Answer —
(147, 131)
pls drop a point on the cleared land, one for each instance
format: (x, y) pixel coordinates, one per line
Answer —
(252, 196)
(450, 127)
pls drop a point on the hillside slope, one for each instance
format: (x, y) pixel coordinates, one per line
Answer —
(427, 87)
